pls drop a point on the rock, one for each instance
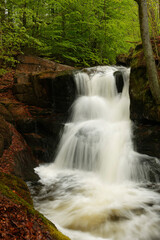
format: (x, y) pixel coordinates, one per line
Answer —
(58, 88)
(18, 111)
(63, 92)
(40, 146)
(143, 106)
(30, 64)
(5, 133)
(5, 113)
(144, 111)
(30, 121)
(1, 145)
(17, 185)
(44, 92)
(122, 59)
(147, 138)
(21, 78)
(22, 88)
(18, 218)
(17, 158)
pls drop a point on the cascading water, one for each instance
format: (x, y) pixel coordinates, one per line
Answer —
(96, 187)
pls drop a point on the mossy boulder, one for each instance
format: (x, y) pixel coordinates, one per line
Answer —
(5, 132)
(18, 218)
(5, 113)
(143, 106)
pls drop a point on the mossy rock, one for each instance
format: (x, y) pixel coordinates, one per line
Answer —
(5, 132)
(16, 210)
(5, 113)
(1, 145)
(143, 105)
(17, 185)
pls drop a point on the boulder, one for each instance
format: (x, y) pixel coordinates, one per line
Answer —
(147, 138)
(144, 111)
(143, 106)
(18, 218)
(5, 113)
(17, 158)
(30, 64)
(1, 145)
(30, 121)
(21, 78)
(5, 132)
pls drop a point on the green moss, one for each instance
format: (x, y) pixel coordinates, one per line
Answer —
(17, 185)
(137, 58)
(52, 229)
(15, 189)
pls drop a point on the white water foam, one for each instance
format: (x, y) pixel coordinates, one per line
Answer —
(92, 189)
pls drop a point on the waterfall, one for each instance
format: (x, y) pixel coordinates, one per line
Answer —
(96, 186)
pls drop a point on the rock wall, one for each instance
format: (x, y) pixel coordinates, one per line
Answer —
(34, 103)
(144, 111)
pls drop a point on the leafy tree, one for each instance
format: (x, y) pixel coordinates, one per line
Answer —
(80, 32)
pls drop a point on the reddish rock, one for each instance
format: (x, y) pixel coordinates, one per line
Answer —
(1, 145)
(36, 101)
(18, 158)
(30, 64)
(5, 113)
(29, 129)
(5, 132)
(21, 78)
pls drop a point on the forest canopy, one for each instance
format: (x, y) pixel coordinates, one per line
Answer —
(77, 32)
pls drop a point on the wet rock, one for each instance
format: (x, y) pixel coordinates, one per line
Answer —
(5, 133)
(57, 88)
(63, 92)
(34, 64)
(122, 59)
(147, 139)
(1, 145)
(36, 101)
(119, 81)
(143, 106)
(5, 113)
(30, 64)
(21, 78)
(144, 111)
(18, 218)
(22, 88)
(18, 111)
(29, 130)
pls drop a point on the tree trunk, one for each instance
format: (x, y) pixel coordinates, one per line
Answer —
(153, 19)
(24, 18)
(148, 52)
(2, 19)
(159, 8)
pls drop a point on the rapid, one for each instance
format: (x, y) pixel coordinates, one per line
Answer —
(98, 186)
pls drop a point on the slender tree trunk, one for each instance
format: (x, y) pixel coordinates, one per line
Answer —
(153, 18)
(24, 18)
(148, 52)
(2, 19)
(159, 8)
(63, 25)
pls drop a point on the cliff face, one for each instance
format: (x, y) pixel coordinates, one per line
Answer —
(143, 106)
(144, 111)
(34, 102)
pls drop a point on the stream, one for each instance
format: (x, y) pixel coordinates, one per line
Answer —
(98, 186)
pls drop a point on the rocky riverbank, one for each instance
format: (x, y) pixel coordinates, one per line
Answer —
(34, 101)
(145, 113)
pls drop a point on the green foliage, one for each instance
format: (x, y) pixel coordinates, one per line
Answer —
(79, 32)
